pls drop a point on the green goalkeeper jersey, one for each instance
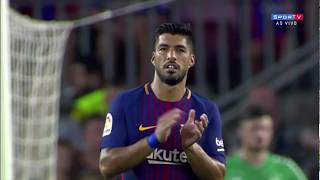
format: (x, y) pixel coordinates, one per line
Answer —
(275, 167)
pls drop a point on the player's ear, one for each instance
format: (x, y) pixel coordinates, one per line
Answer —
(192, 61)
(153, 57)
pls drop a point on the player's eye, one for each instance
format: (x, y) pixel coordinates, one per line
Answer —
(162, 49)
(181, 50)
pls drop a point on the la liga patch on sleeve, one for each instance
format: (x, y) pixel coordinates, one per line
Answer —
(108, 125)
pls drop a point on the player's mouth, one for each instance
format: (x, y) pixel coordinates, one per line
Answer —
(171, 67)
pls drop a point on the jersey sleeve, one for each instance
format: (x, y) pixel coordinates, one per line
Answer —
(293, 170)
(212, 142)
(115, 131)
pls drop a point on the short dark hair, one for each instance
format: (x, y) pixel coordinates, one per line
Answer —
(174, 28)
(252, 113)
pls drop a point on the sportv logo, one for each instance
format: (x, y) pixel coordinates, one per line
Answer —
(162, 156)
(296, 17)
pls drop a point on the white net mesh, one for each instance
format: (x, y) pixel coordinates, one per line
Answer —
(36, 53)
(37, 50)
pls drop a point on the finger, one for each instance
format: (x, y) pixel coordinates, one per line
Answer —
(174, 119)
(177, 109)
(177, 113)
(168, 120)
(192, 114)
(198, 134)
(170, 123)
(174, 114)
(199, 126)
(204, 120)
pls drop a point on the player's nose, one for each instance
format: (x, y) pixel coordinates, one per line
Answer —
(172, 55)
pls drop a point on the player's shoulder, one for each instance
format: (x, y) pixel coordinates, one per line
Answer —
(208, 103)
(286, 165)
(133, 92)
(281, 160)
(233, 159)
(130, 95)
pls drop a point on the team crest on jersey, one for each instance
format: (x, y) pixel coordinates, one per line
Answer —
(108, 125)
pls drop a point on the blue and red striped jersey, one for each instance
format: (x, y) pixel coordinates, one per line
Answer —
(133, 115)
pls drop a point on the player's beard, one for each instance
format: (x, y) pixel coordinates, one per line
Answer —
(171, 79)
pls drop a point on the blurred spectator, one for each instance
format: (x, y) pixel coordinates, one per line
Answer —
(93, 103)
(96, 79)
(86, 123)
(66, 162)
(93, 128)
(265, 98)
(308, 142)
(254, 161)
(77, 80)
(70, 131)
(299, 133)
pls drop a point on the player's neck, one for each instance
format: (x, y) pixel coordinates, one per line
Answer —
(253, 157)
(166, 92)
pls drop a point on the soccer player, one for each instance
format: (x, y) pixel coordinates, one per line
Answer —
(163, 130)
(254, 161)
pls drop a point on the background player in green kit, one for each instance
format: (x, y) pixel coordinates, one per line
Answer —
(254, 161)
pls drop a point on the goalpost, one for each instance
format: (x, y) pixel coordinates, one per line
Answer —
(31, 64)
(36, 54)
(5, 126)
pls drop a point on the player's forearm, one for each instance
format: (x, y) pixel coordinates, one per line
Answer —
(203, 165)
(117, 160)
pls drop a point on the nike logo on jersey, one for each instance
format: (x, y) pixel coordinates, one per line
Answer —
(145, 128)
(142, 128)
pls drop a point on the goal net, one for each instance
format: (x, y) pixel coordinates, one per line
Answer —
(36, 53)
(31, 68)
